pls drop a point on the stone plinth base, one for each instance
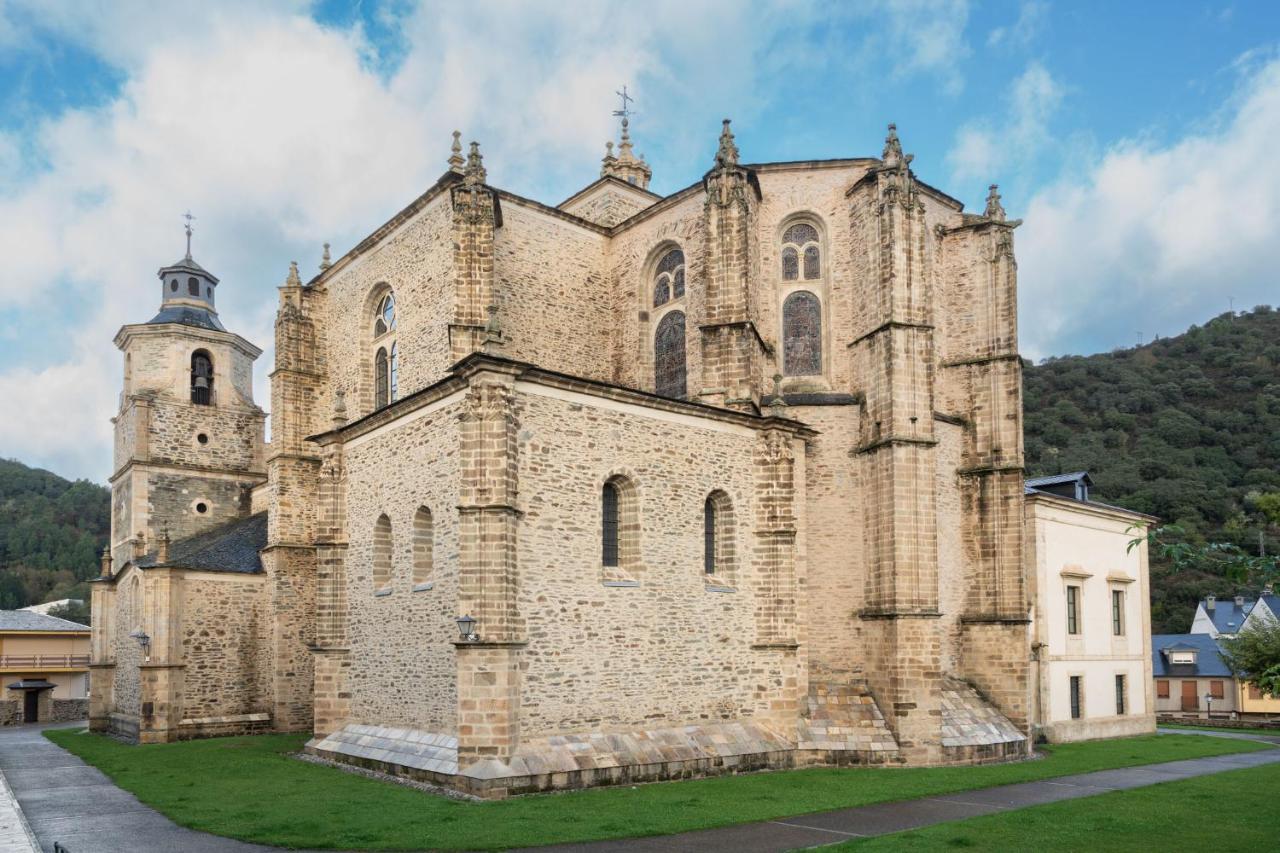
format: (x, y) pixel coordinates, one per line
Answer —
(841, 724)
(563, 761)
(1065, 731)
(232, 724)
(974, 732)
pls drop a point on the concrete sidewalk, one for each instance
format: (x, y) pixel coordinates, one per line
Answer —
(68, 801)
(814, 830)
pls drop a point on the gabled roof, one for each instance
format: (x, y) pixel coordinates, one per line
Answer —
(1057, 479)
(26, 620)
(1226, 615)
(1208, 663)
(231, 547)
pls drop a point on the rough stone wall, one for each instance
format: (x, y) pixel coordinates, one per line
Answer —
(953, 587)
(586, 665)
(554, 301)
(126, 687)
(233, 436)
(402, 662)
(632, 254)
(608, 206)
(69, 710)
(416, 260)
(173, 500)
(223, 634)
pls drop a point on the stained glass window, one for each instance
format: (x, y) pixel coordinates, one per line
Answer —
(668, 356)
(609, 524)
(669, 278)
(709, 537)
(801, 238)
(385, 319)
(801, 334)
(395, 372)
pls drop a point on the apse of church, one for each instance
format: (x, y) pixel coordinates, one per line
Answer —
(639, 486)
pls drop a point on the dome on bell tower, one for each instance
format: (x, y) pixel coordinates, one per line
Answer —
(186, 294)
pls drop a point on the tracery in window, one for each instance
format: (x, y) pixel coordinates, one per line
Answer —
(801, 334)
(801, 239)
(385, 316)
(668, 278)
(669, 370)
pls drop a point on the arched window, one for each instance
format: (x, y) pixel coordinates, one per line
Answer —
(717, 536)
(385, 318)
(193, 286)
(619, 529)
(201, 378)
(668, 278)
(423, 548)
(609, 525)
(801, 241)
(801, 334)
(386, 359)
(668, 357)
(381, 562)
(394, 371)
(382, 378)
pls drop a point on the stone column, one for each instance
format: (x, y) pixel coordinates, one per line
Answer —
(488, 669)
(893, 363)
(161, 670)
(102, 657)
(733, 352)
(332, 652)
(293, 469)
(996, 646)
(475, 217)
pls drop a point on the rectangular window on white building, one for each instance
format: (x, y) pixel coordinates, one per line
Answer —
(1120, 695)
(1117, 612)
(1075, 696)
(1073, 610)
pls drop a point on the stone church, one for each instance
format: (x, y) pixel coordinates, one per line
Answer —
(630, 487)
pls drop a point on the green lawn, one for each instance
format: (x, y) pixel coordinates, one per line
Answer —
(1268, 732)
(251, 788)
(1231, 811)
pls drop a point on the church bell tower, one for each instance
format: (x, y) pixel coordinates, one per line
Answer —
(188, 435)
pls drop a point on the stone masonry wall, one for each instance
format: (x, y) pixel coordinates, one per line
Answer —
(554, 303)
(223, 633)
(416, 261)
(402, 658)
(587, 666)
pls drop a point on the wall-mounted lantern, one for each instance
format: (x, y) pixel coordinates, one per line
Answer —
(467, 629)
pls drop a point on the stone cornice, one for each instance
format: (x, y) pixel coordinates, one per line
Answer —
(185, 468)
(121, 340)
(608, 180)
(1089, 507)
(887, 325)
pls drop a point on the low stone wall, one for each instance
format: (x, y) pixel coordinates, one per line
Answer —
(69, 710)
(10, 712)
(1099, 728)
(1244, 723)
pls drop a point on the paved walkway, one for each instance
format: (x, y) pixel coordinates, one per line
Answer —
(68, 801)
(814, 830)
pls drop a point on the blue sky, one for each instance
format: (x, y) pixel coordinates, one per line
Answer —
(1134, 139)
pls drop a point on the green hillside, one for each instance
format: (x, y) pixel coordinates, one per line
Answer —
(51, 533)
(1186, 428)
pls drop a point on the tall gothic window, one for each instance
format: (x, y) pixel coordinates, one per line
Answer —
(668, 278)
(800, 242)
(801, 334)
(717, 536)
(609, 524)
(382, 378)
(201, 378)
(668, 356)
(386, 360)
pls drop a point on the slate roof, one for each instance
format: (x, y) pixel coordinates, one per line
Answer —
(1227, 618)
(188, 315)
(1209, 663)
(1057, 479)
(231, 547)
(188, 264)
(26, 620)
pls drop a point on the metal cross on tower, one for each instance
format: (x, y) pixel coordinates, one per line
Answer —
(187, 216)
(624, 112)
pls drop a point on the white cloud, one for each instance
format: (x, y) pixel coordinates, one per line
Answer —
(924, 36)
(1154, 238)
(280, 133)
(984, 148)
(1032, 16)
